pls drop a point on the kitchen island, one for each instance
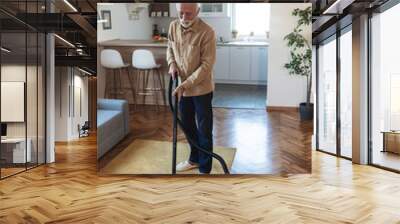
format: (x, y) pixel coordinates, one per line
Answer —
(133, 43)
(126, 48)
(151, 43)
(237, 62)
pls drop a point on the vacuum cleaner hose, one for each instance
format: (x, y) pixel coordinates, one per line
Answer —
(177, 121)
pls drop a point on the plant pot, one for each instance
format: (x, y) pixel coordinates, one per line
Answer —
(306, 111)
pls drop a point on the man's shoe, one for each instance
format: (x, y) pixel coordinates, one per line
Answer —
(185, 166)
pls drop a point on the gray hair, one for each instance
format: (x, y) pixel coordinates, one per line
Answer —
(178, 5)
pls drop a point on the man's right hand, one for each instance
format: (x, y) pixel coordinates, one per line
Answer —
(173, 70)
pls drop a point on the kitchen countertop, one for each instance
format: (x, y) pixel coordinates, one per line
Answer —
(150, 43)
(245, 43)
(132, 43)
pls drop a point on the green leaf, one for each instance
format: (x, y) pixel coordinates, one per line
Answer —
(300, 50)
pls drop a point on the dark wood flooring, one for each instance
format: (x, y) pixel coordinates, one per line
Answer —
(266, 142)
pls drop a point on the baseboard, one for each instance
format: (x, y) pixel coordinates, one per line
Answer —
(245, 82)
(286, 109)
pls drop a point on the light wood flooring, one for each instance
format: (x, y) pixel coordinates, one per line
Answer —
(386, 159)
(71, 191)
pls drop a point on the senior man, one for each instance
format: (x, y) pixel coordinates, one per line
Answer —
(191, 55)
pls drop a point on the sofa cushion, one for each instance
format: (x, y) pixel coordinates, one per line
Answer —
(118, 105)
(112, 123)
(110, 130)
(106, 115)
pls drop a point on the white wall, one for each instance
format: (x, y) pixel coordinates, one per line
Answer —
(122, 27)
(284, 90)
(163, 23)
(65, 96)
(16, 73)
(80, 83)
(101, 76)
(61, 103)
(221, 25)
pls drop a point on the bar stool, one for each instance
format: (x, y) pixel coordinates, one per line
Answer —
(111, 59)
(144, 63)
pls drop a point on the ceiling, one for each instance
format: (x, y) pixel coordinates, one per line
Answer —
(75, 21)
(330, 15)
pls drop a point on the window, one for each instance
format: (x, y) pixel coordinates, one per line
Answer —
(251, 17)
(346, 94)
(385, 89)
(327, 96)
(394, 102)
(335, 107)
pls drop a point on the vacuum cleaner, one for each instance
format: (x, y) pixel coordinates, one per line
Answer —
(173, 84)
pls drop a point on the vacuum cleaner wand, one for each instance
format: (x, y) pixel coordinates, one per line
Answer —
(175, 125)
(173, 84)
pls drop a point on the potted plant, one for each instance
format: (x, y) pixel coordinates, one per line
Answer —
(300, 58)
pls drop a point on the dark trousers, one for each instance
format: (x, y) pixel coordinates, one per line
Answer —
(197, 118)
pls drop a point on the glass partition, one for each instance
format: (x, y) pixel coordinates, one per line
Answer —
(385, 89)
(13, 91)
(327, 96)
(346, 93)
(22, 88)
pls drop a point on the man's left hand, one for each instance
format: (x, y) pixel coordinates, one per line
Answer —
(179, 91)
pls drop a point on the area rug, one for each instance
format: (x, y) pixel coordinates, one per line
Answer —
(155, 157)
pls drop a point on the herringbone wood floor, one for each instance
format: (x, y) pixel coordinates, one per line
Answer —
(266, 143)
(70, 191)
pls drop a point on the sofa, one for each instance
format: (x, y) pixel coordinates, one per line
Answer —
(112, 123)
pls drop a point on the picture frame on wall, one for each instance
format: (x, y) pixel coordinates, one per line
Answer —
(106, 15)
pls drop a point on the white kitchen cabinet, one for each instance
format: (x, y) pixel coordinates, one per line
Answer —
(206, 10)
(221, 67)
(239, 63)
(214, 10)
(259, 64)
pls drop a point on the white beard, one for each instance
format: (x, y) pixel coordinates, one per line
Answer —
(187, 24)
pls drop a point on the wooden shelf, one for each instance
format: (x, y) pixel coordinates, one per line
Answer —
(159, 10)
